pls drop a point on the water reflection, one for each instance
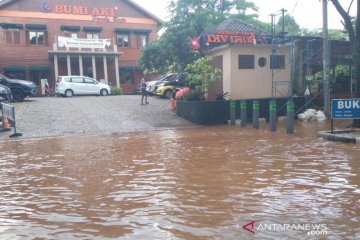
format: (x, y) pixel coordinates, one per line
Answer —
(200, 183)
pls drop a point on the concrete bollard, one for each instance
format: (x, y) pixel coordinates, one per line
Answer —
(290, 117)
(256, 106)
(243, 113)
(272, 108)
(232, 112)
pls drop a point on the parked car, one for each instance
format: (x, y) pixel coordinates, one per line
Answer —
(150, 86)
(20, 89)
(80, 85)
(165, 89)
(5, 93)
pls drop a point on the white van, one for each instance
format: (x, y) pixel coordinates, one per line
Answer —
(80, 85)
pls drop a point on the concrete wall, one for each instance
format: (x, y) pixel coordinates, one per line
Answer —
(257, 82)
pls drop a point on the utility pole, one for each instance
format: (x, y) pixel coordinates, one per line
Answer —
(326, 60)
(283, 21)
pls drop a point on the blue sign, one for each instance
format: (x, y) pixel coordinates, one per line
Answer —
(345, 108)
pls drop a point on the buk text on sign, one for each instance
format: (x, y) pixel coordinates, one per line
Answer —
(345, 108)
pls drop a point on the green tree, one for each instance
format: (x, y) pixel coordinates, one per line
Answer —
(200, 75)
(354, 36)
(334, 34)
(189, 18)
(290, 25)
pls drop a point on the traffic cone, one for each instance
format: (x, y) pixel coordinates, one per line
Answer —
(5, 123)
(172, 104)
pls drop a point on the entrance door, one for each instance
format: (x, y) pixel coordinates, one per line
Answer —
(37, 75)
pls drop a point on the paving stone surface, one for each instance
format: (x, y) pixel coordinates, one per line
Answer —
(58, 116)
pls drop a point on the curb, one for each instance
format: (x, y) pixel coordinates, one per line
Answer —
(340, 136)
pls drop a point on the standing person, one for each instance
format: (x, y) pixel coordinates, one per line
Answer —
(143, 91)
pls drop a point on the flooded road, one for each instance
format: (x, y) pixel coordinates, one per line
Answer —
(197, 183)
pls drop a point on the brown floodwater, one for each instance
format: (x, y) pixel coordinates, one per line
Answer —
(195, 183)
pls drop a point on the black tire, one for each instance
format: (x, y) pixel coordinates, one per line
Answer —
(168, 93)
(18, 95)
(104, 92)
(69, 93)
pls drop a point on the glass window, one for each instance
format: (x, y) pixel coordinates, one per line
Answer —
(89, 80)
(123, 40)
(37, 37)
(126, 77)
(277, 62)
(12, 36)
(77, 80)
(92, 35)
(15, 74)
(141, 40)
(246, 61)
(73, 35)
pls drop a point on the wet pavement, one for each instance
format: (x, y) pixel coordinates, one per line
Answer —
(84, 115)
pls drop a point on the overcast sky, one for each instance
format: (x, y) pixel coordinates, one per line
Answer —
(307, 13)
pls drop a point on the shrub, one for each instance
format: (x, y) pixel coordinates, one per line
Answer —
(116, 90)
(200, 75)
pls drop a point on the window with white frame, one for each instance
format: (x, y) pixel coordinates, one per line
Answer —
(92, 35)
(37, 37)
(123, 39)
(141, 40)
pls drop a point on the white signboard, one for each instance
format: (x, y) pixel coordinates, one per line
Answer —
(44, 83)
(8, 111)
(83, 42)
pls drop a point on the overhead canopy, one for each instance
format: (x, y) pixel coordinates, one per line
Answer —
(92, 29)
(11, 25)
(38, 68)
(14, 68)
(35, 26)
(131, 68)
(70, 28)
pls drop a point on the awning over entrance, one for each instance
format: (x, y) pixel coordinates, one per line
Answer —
(38, 68)
(131, 68)
(14, 68)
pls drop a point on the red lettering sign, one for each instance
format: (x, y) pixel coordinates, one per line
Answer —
(82, 10)
(232, 37)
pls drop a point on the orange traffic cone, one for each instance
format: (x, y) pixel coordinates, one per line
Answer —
(5, 123)
(172, 104)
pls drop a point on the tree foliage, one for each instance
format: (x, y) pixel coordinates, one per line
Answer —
(199, 76)
(354, 36)
(188, 19)
(290, 25)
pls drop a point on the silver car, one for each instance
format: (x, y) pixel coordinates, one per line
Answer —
(80, 85)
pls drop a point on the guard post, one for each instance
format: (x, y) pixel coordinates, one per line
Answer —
(272, 108)
(290, 117)
(232, 112)
(256, 107)
(243, 122)
(8, 111)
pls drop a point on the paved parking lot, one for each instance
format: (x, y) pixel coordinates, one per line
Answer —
(57, 116)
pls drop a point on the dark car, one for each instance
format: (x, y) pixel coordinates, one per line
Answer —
(5, 94)
(165, 89)
(20, 89)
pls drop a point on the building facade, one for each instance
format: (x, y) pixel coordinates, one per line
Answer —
(252, 65)
(100, 39)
